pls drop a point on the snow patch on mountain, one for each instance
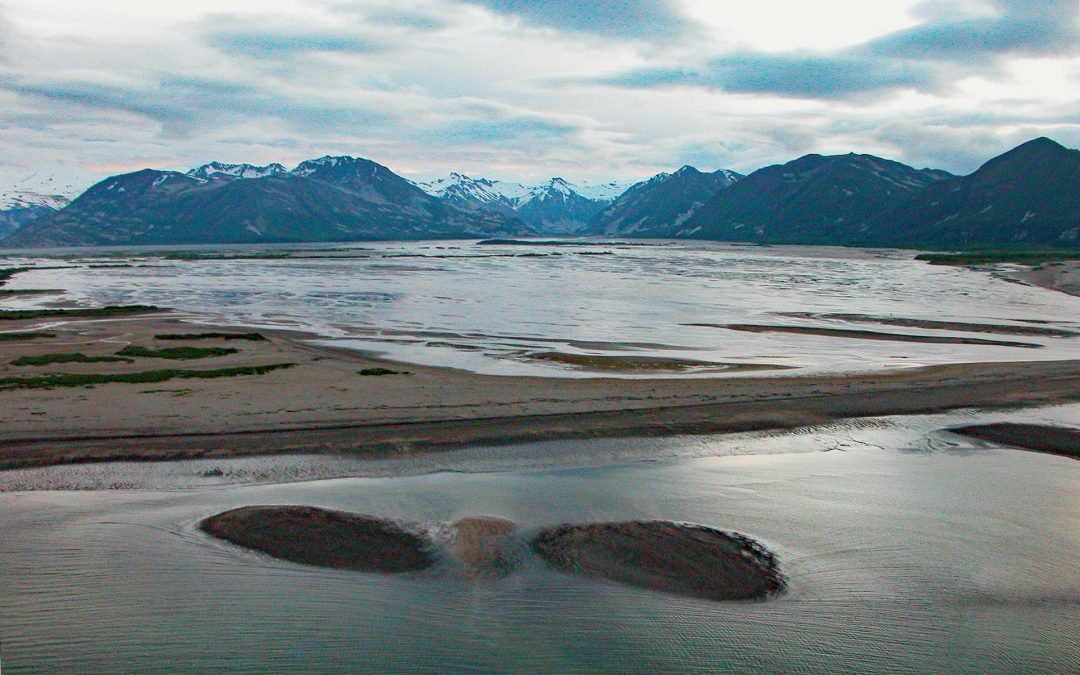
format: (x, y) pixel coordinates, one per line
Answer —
(24, 199)
(207, 171)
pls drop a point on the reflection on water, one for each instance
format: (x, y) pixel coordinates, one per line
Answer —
(494, 302)
(905, 550)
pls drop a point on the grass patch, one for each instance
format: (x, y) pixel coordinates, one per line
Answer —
(145, 377)
(71, 357)
(90, 312)
(253, 337)
(1023, 257)
(380, 372)
(176, 353)
(12, 337)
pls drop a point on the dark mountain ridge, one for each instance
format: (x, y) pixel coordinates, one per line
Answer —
(1028, 196)
(814, 199)
(662, 202)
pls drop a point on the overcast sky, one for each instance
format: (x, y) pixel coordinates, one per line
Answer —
(526, 90)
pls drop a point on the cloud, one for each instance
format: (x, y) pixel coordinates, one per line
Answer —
(635, 19)
(283, 44)
(521, 130)
(927, 57)
(793, 74)
(185, 105)
(274, 37)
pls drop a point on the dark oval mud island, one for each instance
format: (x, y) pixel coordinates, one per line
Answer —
(322, 537)
(680, 558)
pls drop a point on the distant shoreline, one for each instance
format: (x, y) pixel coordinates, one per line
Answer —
(328, 402)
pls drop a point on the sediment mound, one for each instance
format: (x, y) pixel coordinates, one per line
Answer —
(483, 546)
(313, 536)
(1063, 441)
(675, 558)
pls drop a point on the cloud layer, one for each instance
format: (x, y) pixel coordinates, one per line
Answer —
(525, 90)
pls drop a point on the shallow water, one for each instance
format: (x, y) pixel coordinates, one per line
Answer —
(906, 550)
(485, 308)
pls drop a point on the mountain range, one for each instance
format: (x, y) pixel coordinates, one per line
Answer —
(1029, 196)
(321, 200)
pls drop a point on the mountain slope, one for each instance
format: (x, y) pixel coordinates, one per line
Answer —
(812, 200)
(1029, 196)
(330, 199)
(664, 201)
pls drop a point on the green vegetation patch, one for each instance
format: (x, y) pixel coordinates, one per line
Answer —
(253, 337)
(12, 337)
(145, 377)
(176, 353)
(71, 357)
(91, 312)
(1023, 257)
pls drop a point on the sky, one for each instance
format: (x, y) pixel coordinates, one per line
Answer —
(525, 90)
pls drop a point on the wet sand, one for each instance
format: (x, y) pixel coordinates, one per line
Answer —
(996, 328)
(1064, 441)
(646, 364)
(664, 556)
(323, 404)
(324, 538)
(866, 334)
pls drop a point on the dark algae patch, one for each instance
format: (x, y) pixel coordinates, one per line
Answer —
(251, 337)
(31, 335)
(1063, 441)
(321, 537)
(176, 353)
(73, 357)
(678, 558)
(144, 377)
(1022, 257)
(89, 312)
(379, 372)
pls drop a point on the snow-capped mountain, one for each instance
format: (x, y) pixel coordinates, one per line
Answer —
(18, 207)
(555, 207)
(664, 200)
(215, 169)
(325, 199)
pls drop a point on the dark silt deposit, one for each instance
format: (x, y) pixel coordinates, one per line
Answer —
(313, 536)
(1063, 441)
(672, 557)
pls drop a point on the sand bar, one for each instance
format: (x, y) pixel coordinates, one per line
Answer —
(672, 557)
(322, 404)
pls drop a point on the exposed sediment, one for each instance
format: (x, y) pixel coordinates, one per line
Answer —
(1063, 441)
(483, 546)
(675, 558)
(321, 537)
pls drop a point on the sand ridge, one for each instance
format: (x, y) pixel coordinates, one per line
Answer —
(322, 404)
